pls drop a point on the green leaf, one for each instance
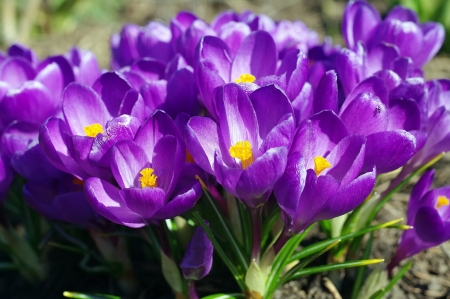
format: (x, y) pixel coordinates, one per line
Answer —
(171, 273)
(361, 271)
(268, 224)
(282, 259)
(321, 245)
(383, 292)
(304, 263)
(225, 296)
(88, 296)
(8, 266)
(333, 267)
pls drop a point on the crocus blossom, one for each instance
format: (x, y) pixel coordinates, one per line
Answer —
(148, 181)
(247, 149)
(428, 213)
(198, 259)
(322, 178)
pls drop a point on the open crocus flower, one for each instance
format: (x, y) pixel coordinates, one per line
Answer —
(80, 144)
(390, 119)
(400, 28)
(247, 149)
(148, 182)
(322, 178)
(254, 65)
(429, 214)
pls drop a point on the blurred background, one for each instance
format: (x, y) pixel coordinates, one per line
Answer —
(54, 26)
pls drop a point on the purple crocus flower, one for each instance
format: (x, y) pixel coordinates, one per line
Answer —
(80, 143)
(322, 178)
(246, 150)
(148, 183)
(390, 120)
(429, 214)
(254, 65)
(401, 28)
(198, 259)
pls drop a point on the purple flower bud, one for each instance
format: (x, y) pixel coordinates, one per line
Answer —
(198, 259)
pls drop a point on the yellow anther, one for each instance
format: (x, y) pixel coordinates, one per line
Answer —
(148, 179)
(242, 150)
(320, 164)
(245, 78)
(93, 130)
(442, 201)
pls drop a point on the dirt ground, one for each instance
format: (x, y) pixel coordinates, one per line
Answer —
(430, 275)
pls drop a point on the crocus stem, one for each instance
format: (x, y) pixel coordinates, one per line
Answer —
(255, 214)
(164, 241)
(191, 289)
(284, 237)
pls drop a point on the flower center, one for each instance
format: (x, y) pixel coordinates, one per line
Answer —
(442, 201)
(148, 179)
(93, 130)
(242, 150)
(320, 164)
(245, 78)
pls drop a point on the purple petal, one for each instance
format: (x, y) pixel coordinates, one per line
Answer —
(167, 161)
(112, 88)
(402, 14)
(154, 95)
(154, 41)
(237, 118)
(365, 115)
(429, 225)
(17, 136)
(158, 125)
(261, 176)
(105, 199)
(73, 207)
(359, 21)
(348, 197)
(257, 56)
(326, 96)
(88, 70)
(318, 135)
(388, 150)
(143, 201)
(207, 79)
(404, 115)
(380, 57)
(433, 38)
(182, 94)
(16, 71)
(150, 69)
(418, 191)
(271, 105)
(295, 65)
(65, 66)
(202, 140)
(215, 50)
(372, 85)
(348, 68)
(197, 261)
(31, 102)
(233, 34)
(290, 186)
(346, 159)
(315, 194)
(303, 103)
(82, 107)
(180, 203)
(128, 159)
(53, 142)
(52, 77)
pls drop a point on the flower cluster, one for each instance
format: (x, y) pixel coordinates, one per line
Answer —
(243, 107)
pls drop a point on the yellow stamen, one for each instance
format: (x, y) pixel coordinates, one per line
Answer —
(320, 164)
(242, 150)
(201, 182)
(148, 179)
(78, 182)
(93, 130)
(189, 157)
(442, 201)
(245, 78)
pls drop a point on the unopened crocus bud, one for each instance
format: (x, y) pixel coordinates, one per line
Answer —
(197, 261)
